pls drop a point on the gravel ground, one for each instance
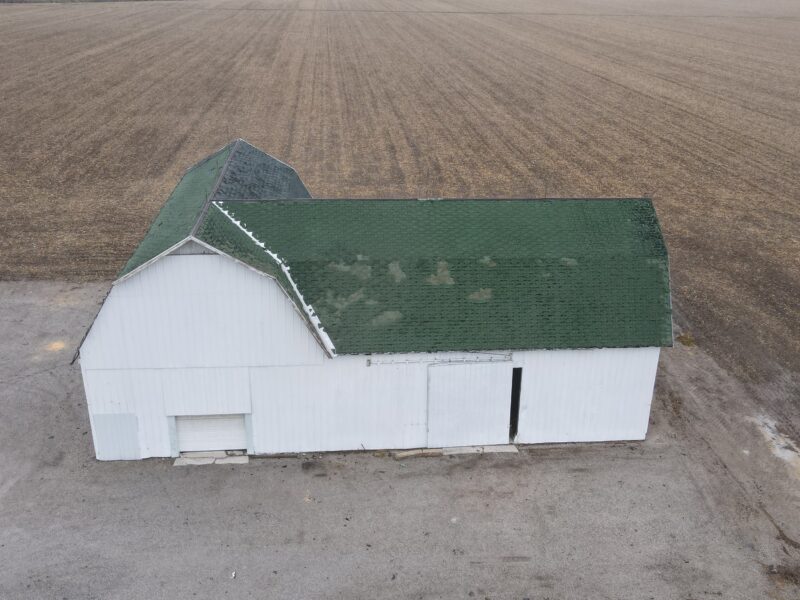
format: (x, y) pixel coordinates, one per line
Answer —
(706, 507)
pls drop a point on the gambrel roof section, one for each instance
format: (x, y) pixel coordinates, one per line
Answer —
(237, 171)
(406, 276)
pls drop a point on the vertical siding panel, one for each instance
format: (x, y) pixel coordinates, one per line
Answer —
(205, 391)
(586, 395)
(469, 404)
(340, 405)
(198, 311)
(129, 392)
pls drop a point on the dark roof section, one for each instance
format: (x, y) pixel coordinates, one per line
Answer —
(463, 275)
(253, 174)
(237, 171)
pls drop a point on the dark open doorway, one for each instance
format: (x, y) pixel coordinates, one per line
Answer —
(516, 387)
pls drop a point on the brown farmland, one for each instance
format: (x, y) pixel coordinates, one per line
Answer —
(693, 103)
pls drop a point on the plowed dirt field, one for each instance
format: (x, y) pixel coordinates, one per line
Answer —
(693, 103)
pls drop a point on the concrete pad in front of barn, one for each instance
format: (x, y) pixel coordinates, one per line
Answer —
(189, 461)
(704, 507)
(494, 449)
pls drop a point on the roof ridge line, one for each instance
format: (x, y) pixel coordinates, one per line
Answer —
(204, 211)
(267, 153)
(442, 200)
(276, 159)
(206, 159)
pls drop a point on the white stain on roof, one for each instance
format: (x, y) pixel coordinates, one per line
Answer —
(387, 317)
(358, 269)
(340, 303)
(396, 272)
(309, 310)
(442, 276)
(481, 295)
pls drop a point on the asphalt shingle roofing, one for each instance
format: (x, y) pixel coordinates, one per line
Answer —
(377, 276)
(238, 170)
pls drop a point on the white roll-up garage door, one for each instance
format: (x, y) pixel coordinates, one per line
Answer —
(211, 432)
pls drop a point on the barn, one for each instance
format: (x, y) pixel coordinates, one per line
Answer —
(255, 317)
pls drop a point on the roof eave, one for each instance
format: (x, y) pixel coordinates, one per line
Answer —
(158, 257)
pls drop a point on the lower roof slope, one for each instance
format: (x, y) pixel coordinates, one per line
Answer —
(439, 275)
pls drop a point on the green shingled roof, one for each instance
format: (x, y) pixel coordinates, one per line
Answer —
(436, 275)
(181, 210)
(414, 276)
(238, 170)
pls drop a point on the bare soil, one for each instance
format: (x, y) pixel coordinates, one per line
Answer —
(692, 103)
(104, 105)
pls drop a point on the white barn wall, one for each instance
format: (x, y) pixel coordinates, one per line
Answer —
(585, 395)
(198, 311)
(206, 391)
(340, 405)
(203, 334)
(469, 404)
(128, 392)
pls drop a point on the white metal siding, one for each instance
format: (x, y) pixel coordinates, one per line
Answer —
(205, 391)
(198, 311)
(129, 391)
(344, 404)
(586, 395)
(341, 405)
(469, 404)
(212, 432)
(116, 436)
